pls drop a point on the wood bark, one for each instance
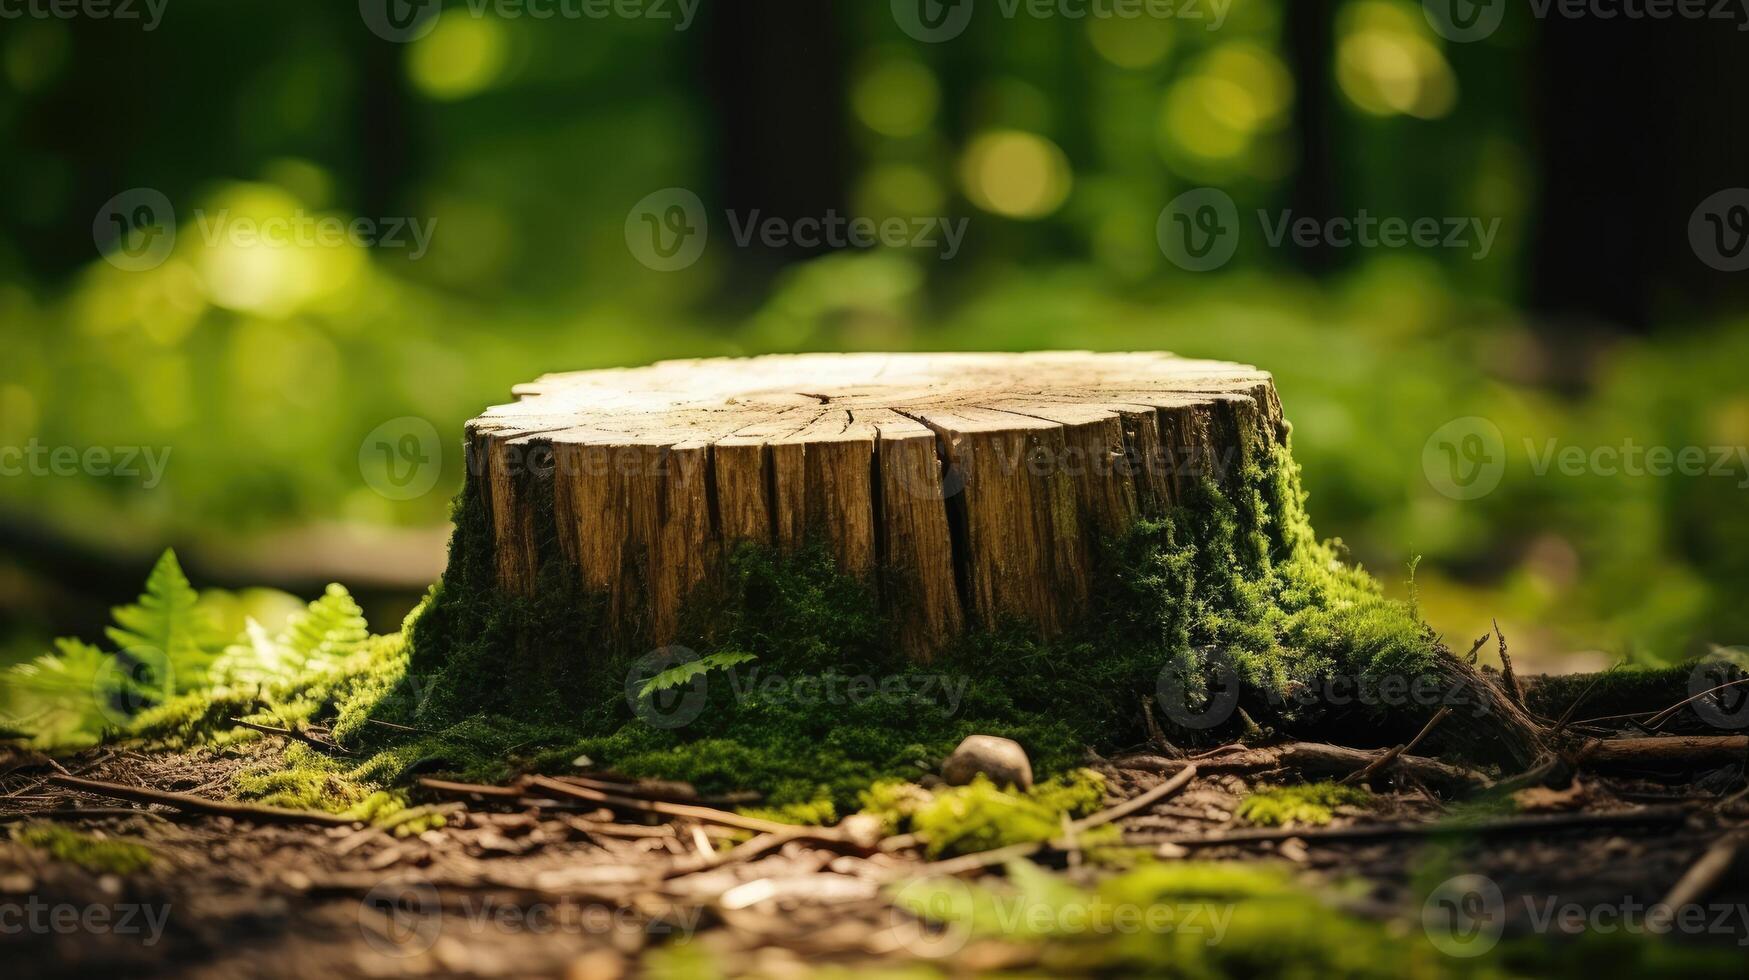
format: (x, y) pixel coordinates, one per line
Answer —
(969, 489)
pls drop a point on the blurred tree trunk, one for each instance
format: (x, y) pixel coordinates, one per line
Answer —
(1310, 30)
(387, 164)
(775, 75)
(1636, 123)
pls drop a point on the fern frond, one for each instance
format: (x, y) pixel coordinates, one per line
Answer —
(68, 697)
(682, 673)
(168, 630)
(318, 638)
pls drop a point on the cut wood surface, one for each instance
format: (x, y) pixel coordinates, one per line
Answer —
(969, 488)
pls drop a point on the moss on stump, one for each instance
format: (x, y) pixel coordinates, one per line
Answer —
(1208, 594)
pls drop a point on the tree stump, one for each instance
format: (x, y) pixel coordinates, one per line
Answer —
(967, 489)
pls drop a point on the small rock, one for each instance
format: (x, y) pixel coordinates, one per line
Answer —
(1002, 759)
(597, 964)
(1294, 850)
(863, 830)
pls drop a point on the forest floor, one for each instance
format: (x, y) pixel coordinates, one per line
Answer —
(534, 880)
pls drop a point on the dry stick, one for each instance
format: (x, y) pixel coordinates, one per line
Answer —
(704, 813)
(1706, 872)
(971, 862)
(657, 789)
(624, 831)
(1509, 825)
(1660, 719)
(398, 728)
(1155, 735)
(1669, 750)
(78, 813)
(470, 789)
(292, 733)
(1137, 803)
(1568, 714)
(1222, 750)
(1315, 757)
(1391, 756)
(744, 851)
(1476, 646)
(1513, 691)
(199, 804)
(1654, 719)
(1532, 776)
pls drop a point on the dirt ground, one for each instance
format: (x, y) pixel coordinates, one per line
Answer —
(515, 887)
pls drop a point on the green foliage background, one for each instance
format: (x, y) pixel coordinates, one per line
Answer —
(527, 141)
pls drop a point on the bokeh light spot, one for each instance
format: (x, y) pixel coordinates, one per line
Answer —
(896, 98)
(462, 56)
(1015, 174)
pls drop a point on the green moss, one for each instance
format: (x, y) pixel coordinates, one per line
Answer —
(1312, 804)
(496, 682)
(481, 684)
(102, 855)
(1619, 691)
(979, 816)
(1213, 921)
(304, 779)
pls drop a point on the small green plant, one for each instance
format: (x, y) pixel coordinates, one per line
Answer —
(981, 817)
(682, 673)
(101, 855)
(1312, 804)
(174, 664)
(165, 644)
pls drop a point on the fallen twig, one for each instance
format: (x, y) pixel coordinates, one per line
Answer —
(294, 734)
(1505, 825)
(1706, 872)
(1668, 750)
(200, 804)
(1567, 715)
(1476, 647)
(1391, 756)
(1510, 679)
(78, 813)
(659, 789)
(471, 789)
(618, 801)
(1662, 718)
(1137, 803)
(1315, 757)
(1157, 737)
